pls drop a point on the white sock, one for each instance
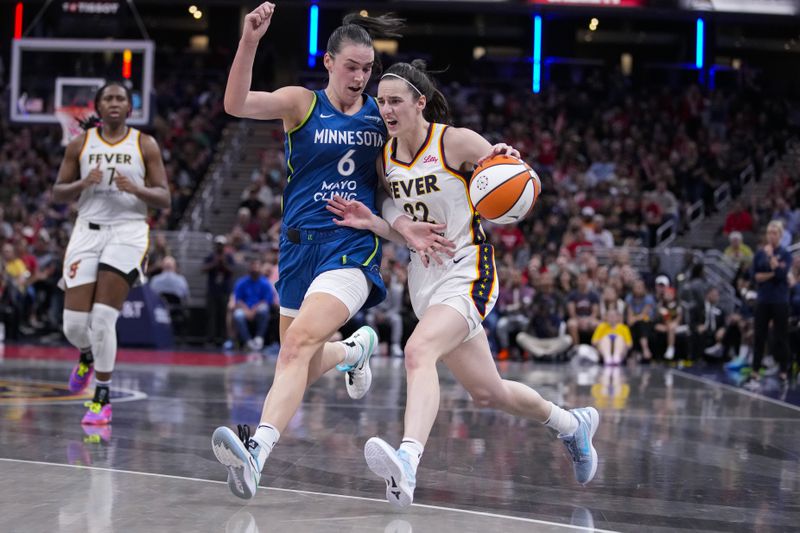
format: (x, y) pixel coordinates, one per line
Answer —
(351, 353)
(266, 436)
(561, 420)
(414, 449)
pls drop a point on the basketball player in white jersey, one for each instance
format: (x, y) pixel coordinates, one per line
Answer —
(116, 172)
(426, 167)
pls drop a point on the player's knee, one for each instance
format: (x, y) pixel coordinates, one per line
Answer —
(417, 355)
(298, 344)
(238, 315)
(103, 322)
(488, 397)
(76, 328)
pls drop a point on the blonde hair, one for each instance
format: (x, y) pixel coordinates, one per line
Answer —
(776, 224)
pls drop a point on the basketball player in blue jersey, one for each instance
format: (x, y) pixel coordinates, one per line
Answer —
(326, 273)
(116, 172)
(426, 168)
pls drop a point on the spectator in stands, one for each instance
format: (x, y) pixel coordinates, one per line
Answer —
(666, 200)
(583, 309)
(545, 335)
(790, 218)
(610, 300)
(515, 298)
(252, 201)
(738, 252)
(612, 339)
(669, 324)
(770, 272)
(717, 334)
(738, 219)
(389, 313)
(159, 249)
(602, 238)
(218, 266)
(253, 296)
(169, 281)
(640, 309)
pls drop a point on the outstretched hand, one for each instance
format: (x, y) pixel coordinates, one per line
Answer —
(427, 239)
(350, 213)
(500, 148)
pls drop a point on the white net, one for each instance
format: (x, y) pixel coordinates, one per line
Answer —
(69, 117)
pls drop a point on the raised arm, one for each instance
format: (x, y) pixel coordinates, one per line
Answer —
(288, 103)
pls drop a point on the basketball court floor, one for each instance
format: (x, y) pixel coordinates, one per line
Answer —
(677, 452)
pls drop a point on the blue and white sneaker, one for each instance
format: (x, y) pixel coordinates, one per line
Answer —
(579, 444)
(358, 377)
(395, 468)
(239, 454)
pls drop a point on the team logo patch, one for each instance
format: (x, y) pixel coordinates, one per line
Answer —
(21, 392)
(73, 269)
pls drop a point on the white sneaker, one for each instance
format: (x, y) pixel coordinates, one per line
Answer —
(395, 350)
(258, 343)
(393, 466)
(358, 377)
(238, 454)
(669, 355)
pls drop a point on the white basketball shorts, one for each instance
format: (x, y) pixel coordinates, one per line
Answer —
(122, 246)
(467, 283)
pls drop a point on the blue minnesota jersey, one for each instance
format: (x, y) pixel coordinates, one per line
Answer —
(329, 154)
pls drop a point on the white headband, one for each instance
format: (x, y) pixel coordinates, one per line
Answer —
(405, 80)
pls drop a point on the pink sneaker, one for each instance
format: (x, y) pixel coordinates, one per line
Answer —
(97, 415)
(80, 377)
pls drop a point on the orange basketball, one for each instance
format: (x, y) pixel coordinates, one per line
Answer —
(503, 189)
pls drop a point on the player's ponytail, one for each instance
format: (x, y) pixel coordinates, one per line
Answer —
(358, 29)
(420, 83)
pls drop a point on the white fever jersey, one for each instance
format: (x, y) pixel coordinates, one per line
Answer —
(428, 189)
(104, 203)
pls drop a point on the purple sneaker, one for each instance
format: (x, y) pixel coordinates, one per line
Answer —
(80, 377)
(97, 415)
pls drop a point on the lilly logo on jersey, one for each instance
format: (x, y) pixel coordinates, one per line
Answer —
(429, 159)
(373, 118)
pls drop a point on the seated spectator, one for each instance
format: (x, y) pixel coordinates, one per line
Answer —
(389, 313)
(738, 252)
(583, 309)
(610, 301)
(640, 309)
(159, 249)
(545, 335)
(169, 281)
(738, 219)
(717, 334)
(251, 300)
(669, 324)
(515, 298)
(612, 339)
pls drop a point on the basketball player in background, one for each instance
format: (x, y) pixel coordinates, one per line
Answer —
(326, 273)
(116, 172)
(427, 166)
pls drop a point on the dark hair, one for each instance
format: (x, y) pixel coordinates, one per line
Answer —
(358, 29)
(93, 121)
(420, 83)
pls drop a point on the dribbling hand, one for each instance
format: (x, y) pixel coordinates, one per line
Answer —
(256, 22)
(500, 148)
(94, 177)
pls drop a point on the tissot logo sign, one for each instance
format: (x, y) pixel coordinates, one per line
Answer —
(597, 3)
(91, 8)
